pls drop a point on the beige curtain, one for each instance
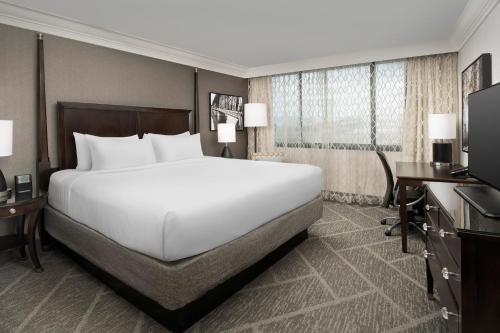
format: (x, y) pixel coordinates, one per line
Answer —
(431, 87)
(356, 175)
(260, 91)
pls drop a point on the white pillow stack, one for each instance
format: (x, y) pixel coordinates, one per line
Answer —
(105, 153)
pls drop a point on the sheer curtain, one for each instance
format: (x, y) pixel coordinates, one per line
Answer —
(336, 118)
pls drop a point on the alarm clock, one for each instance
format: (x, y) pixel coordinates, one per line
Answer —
(23, 187)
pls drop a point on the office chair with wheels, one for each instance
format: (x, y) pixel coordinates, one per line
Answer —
(414, 197)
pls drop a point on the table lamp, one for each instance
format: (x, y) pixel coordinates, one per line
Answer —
(5, 150)
(442, 126)
(255, 116)
(226, 133)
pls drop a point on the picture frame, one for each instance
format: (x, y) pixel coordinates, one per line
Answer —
(475, 77)
(225, 108)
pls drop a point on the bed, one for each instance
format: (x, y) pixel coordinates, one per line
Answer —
(192, 234)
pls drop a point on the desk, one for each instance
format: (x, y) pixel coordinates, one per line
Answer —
(413, 174)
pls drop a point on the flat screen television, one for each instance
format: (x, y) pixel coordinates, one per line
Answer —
(484, 135)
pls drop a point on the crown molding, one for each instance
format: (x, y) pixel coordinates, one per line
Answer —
(53, 25)
(473, 15)
(358, 57)
(475, 12)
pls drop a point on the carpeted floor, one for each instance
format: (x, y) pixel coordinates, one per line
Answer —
(347, 277)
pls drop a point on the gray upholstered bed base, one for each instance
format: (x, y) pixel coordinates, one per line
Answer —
(175, 284)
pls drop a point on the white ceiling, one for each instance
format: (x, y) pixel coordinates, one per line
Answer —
(257, 33)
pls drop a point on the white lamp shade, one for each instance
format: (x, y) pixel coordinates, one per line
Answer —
(255, 115)
(442, 126)
(226, 132)
(6, 137)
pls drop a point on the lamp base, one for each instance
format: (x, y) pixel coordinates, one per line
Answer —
(5, 195)
(441, 164)
(226, 152)
(3, 183)
(442, 154)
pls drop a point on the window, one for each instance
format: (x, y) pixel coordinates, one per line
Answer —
(352, 107)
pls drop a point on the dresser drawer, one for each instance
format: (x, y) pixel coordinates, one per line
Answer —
(450, 309)
(449, 271)
(437, 220)
(13, 211)
(448, 234)
(431, 211)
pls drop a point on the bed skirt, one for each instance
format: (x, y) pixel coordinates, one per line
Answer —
(175, 284)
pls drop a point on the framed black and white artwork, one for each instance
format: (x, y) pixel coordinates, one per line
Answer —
(226, 109)
(475, 77)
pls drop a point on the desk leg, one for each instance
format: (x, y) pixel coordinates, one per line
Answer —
(20, 235)
(32, 224)
(403, 216)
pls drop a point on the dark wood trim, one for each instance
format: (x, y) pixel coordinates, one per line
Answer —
(32, 221)
(43, 162)
(196, 114)
(113, 107)
(181, 319)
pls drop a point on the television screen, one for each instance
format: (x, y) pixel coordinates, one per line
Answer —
(484, 135)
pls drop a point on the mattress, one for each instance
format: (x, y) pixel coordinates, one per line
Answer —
(176, 210)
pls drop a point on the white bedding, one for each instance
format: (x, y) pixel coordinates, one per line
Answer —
(175, 210)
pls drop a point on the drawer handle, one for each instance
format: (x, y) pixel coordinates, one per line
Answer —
(443, 233)
(426, 227)
(447, 314)
(12, 210)
(429, 207)
(446, 274)
(426, 254)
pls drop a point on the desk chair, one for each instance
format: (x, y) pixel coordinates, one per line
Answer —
(415, 197)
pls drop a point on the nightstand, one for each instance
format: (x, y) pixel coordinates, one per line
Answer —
(29, 211)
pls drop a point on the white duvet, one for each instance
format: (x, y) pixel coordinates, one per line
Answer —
(175, 210)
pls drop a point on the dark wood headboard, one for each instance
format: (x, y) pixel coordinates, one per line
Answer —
(112, 120)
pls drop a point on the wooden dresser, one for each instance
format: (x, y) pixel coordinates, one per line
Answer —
(463, 261)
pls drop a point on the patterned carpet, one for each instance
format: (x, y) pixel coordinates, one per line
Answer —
(347, 277)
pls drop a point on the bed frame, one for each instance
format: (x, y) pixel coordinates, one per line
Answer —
(113, 120)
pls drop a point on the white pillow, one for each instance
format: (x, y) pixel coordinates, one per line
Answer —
(178, 147)
(84, 160)
(115, 154)
(82, 152)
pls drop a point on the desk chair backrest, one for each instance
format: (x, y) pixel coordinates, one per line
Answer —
(389, 191)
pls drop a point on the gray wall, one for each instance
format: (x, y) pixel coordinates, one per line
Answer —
(80, 72)
(220, 83)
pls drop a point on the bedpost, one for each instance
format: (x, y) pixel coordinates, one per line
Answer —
(196, 103)
(43, 162)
